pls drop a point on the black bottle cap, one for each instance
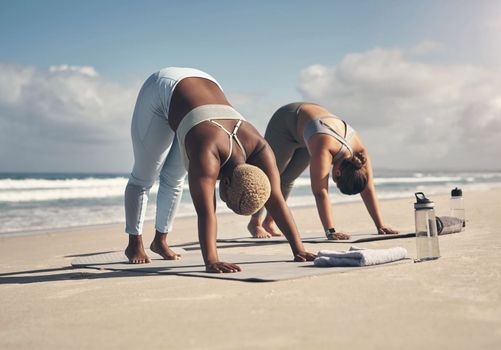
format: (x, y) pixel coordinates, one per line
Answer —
(422, 202)
(456, 192)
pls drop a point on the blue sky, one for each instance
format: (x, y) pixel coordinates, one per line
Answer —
(234, 40)
(257, 50)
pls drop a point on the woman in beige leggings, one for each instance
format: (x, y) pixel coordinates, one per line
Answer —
(302, 134)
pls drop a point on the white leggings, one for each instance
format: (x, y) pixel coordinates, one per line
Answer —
(156, 154)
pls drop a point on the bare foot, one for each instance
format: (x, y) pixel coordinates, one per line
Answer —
(135, 250)
(257, 231)
(160, 246)
(272, 228)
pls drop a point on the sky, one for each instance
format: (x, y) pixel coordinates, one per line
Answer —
(419, 80)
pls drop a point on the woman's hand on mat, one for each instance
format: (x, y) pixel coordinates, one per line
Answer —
(387, 231)
(222, 267)
(304, 256)
(338, 236)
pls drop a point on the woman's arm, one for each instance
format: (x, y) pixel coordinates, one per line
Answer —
(276, 205)
(320, 167)
(202, 176)
(319, 177)
(371, 202)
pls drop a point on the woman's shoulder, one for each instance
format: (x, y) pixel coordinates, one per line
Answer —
(251, 137)
(320, 144)
(201, 138)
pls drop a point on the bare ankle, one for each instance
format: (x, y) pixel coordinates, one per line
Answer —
(160, 236)
(268, 221)
(159, 246)
(135, 240)
(254, 223)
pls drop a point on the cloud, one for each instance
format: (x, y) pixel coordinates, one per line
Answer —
(64, 110)
(84, 70)
(70, 118)
(425, 47)
(412, 113)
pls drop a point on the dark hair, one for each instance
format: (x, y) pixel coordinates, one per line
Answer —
(354, 177)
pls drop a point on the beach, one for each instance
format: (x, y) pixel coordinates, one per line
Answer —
(450, 303)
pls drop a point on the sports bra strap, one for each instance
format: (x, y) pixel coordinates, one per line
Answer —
(340, 139)
(232, 135)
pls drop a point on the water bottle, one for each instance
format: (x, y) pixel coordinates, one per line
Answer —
(457, 205)
(426, 229)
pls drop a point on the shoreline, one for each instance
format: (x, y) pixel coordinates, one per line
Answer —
(59, 230)
(224, 212)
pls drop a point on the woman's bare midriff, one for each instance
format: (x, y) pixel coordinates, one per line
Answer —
(191, 93)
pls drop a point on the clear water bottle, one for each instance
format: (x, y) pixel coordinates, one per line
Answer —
(426, 229)
(457, 205)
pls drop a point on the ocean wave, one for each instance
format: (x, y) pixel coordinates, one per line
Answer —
(411, 180)
(24, 219)
(415, 180)
(41, 190)
(60, 194)
(33, 184)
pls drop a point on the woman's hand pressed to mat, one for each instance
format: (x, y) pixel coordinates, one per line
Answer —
(304, 256)
(338, 236)
(222, 267)
(387, 231)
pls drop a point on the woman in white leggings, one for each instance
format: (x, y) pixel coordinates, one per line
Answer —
(183, 124)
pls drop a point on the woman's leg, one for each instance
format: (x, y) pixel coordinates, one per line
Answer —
(172, 178)
(152, 139)
(298, 163)
(295, 167)
(278, 137)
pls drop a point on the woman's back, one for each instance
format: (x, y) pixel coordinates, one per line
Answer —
(308, 112)
(191, 93)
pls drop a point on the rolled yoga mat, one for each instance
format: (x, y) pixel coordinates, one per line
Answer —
(449, 224)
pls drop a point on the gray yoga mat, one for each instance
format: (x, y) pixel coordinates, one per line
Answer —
(313, 237)
(360, 238)
(255, 268)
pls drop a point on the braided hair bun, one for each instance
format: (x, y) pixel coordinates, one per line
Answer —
(358, 160)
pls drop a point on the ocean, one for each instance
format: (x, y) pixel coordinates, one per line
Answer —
(31, 203)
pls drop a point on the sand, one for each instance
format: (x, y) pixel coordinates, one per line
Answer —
(450, 303)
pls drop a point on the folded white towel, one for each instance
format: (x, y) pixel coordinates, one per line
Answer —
(359, 256)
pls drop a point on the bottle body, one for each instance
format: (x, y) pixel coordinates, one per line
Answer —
(457, 208)
(427, 247)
